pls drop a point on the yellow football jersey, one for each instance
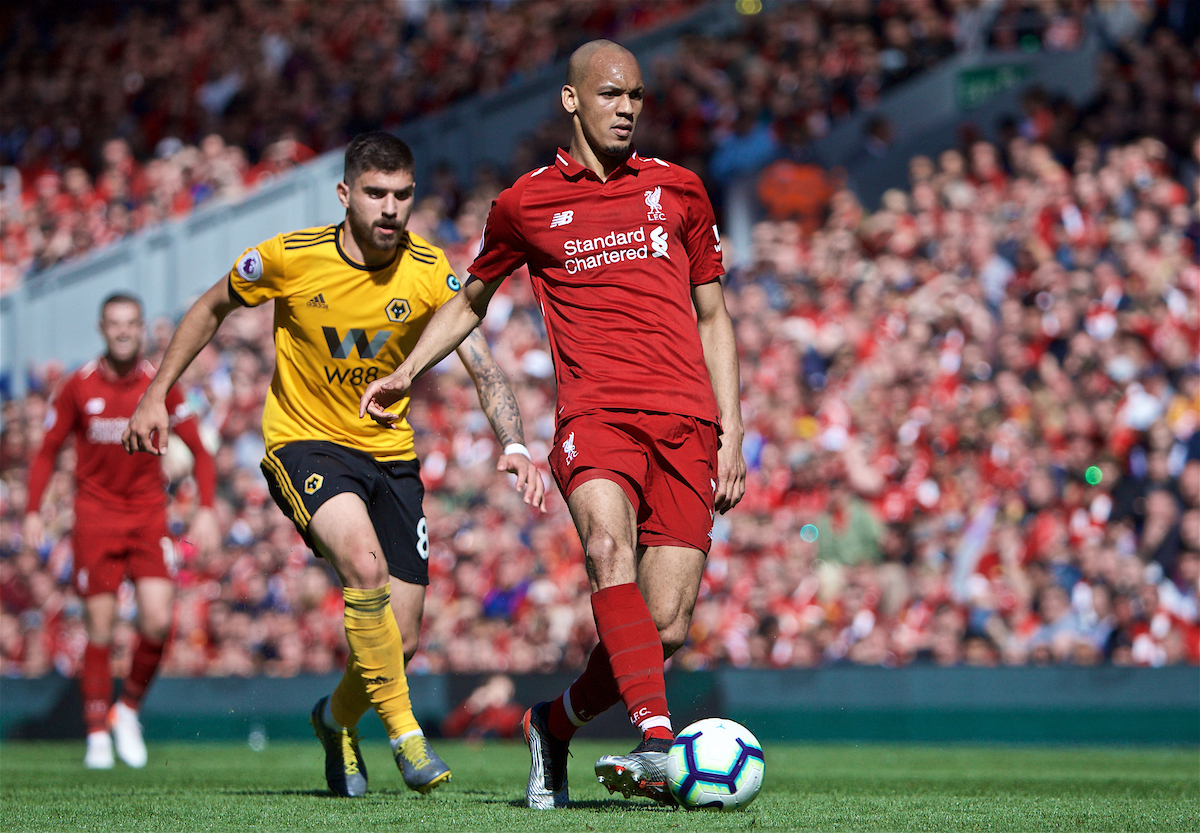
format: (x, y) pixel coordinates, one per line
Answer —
(339, 325)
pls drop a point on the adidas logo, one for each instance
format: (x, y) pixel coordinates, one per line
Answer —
(318, 301)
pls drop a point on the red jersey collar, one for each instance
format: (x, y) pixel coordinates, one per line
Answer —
(110, 373)
(574, 170)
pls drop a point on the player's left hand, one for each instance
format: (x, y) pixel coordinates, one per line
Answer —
(529, 479)
(147, 428)
(731, 473)
(382, 394)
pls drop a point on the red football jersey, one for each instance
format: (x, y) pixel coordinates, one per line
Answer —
(94, 405)
(613, 264)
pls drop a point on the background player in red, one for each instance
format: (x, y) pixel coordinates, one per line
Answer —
(120, 523)
(625, 260)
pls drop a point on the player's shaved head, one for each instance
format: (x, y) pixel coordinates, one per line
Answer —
(583, 58)
(603, 94)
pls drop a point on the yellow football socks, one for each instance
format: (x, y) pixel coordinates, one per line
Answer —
(350, 700)
(378, 653)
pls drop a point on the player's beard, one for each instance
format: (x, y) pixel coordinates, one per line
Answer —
(125, 354)
(616, 151)
(370, 234)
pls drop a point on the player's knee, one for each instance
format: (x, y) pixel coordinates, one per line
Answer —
(154, 617)
(604, 552)
(99, 630)
(154, 622)
(364, 571)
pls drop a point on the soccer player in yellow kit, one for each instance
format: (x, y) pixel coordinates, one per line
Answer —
(351, 300)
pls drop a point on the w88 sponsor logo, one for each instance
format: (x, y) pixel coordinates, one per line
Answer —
(351, 375)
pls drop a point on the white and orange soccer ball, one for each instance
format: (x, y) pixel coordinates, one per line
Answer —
(715, 764)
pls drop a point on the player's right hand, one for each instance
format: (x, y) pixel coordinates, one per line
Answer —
(147, 429)
(528, 478)
(382, 394)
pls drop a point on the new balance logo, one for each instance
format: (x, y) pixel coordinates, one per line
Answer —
(340, 347)
(318, 301)
(562, 218)
(717, 235)
(569, 448)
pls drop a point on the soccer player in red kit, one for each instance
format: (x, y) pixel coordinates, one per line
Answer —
(625, 260)
(120, 523)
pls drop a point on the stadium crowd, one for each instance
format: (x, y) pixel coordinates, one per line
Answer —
(972, 431)
(111, 122)
(126, 115)
(973, 415)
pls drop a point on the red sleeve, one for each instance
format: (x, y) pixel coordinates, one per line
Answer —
(183, 423)
(61, 418)
(504, 249)
(701, 237)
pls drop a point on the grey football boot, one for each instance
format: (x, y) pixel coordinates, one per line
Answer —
(642, 772)
(420, 766)
(345, 772)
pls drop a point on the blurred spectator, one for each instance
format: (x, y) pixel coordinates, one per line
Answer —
(791, 191)
(877, 137)
(490, 712)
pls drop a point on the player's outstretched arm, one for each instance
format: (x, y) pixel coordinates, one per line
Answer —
(498, 401)
(63, 418)
(147, 429)
(452, 323)
(720, 354)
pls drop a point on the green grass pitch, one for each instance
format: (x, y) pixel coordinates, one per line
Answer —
(229, 787)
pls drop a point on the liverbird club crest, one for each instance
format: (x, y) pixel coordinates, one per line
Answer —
(654, 203)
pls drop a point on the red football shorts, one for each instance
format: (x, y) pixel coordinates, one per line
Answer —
(108, 549)
(666, 464)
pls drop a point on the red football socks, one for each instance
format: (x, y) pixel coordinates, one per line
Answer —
(146, 658)
(592, 694)
(628, 659)
(95, 683)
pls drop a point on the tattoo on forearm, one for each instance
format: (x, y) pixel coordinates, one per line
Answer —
(496, 397)
(500, 405)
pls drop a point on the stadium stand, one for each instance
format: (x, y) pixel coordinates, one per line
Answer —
(91, 156)
(126, 115)
(973, 417)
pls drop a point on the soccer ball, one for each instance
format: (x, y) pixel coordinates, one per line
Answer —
(715, 764)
